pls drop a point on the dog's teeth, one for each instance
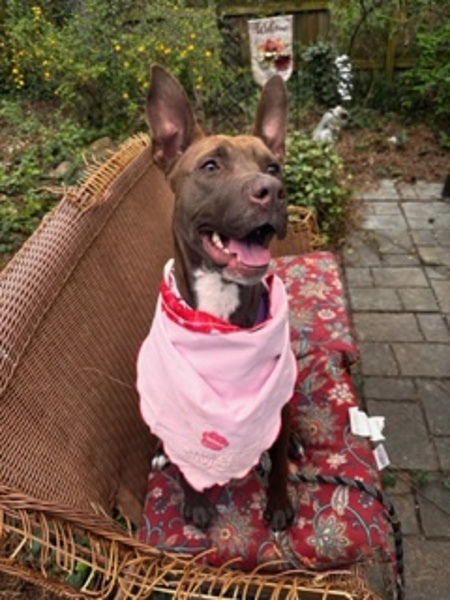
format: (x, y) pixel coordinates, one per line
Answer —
(216, 240)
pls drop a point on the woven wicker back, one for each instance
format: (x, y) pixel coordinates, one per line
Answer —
(75, 304)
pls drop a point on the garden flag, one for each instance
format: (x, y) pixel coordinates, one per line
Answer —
(271, 47)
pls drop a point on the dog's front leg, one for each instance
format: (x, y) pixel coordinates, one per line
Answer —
(198, 509)
(279, 512)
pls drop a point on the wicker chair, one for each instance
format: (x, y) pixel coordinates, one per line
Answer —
(76, 302)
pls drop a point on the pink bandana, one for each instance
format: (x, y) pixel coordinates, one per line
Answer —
(211, 391)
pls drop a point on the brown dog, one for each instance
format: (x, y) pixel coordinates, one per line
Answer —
(229, 203)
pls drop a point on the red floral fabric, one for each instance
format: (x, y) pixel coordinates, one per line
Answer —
(317, 306)
(335, 525)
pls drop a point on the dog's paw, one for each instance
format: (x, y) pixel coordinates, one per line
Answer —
(201, 512)
(159, 462)
(279, 515)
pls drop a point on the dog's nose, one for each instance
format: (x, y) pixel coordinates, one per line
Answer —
(266, 190)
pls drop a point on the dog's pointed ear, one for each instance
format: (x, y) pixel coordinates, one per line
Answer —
(272, 115)
(172, 122)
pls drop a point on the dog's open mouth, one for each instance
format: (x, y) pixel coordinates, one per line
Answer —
(251, 251)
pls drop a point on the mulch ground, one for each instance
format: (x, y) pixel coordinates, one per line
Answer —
(369, 155)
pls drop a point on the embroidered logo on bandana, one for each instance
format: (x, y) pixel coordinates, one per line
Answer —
(214, 441)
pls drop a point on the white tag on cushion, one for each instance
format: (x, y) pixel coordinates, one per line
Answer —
(381, 457)
(365, 426)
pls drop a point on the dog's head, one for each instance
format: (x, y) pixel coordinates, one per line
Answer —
(229, 196)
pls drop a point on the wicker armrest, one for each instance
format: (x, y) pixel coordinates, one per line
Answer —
(121, 567)
(76, 302)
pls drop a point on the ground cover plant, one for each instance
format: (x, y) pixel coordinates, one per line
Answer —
(32, 146)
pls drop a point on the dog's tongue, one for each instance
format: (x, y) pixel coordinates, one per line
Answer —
(251, 254)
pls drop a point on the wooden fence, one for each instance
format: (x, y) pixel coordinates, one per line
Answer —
(312, 23)
(391, 48)
(311, 19)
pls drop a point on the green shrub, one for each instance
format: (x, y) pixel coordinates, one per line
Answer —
(95, 58)
(38, 145)
(319, 78)
(314, 177)
(429, 79)
(384, 32)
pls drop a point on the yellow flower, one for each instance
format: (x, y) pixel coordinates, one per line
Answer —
(207, 54)
(126, 64)
(193, 36)
(167, 50)
(125, 96)
(118, 47)
(15, 70)
(47, 75)
(191, 47)
(142, 48)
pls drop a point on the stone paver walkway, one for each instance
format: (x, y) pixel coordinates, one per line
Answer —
(397, 269)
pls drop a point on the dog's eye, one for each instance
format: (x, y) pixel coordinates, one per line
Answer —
(273, 168)
(209, 165)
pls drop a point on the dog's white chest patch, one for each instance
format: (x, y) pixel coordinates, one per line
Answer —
(214, 295)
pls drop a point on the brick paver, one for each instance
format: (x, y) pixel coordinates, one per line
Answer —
(385, 222)
(391, 241)
(377, 359)
(426, 568)
(418, 299)
(385, 192)
(387, 327)
(391, 388)
(443, 450)
(442, 291)
(423, 360)
(435, 521)
(378, 299)
(435, 395)
(408, 441)
(397, 269)
(398, 277)
(434, 327)
(435, 255)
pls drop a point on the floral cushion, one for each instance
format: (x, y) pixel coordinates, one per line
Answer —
(317, 306)
(335, 525)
